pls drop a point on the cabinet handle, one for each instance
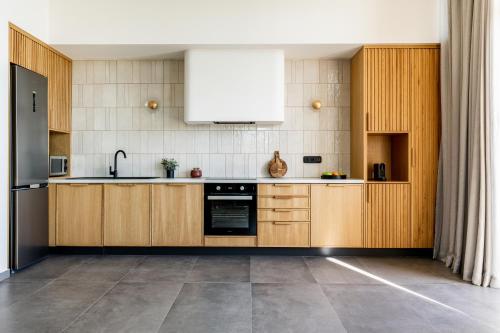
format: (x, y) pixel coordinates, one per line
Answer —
(125, 184)
(413, 157)
(282, 210)
(334, 185)
(282, 185)
(77, 184)
(367, 194)
(173, 184)
(282, 197)
(281, 223)
(367, 121)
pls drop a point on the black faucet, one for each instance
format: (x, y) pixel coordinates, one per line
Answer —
(112, 172)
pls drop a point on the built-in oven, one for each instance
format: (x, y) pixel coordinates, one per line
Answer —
(230, 209)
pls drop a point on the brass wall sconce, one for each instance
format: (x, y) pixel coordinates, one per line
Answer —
(316, 105)
(152, 104)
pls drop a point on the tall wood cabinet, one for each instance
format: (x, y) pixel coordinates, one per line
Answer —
(395, 120)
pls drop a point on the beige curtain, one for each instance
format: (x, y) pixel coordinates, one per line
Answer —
(463, 217)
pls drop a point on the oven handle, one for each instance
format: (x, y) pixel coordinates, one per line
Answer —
(230, 197)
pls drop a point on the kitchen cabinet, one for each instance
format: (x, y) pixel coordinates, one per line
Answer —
(60, 85)
(336, 215)
(231, 241)
(127, 215)
(283, 190)
(177, 215)
(283, 234)
(27, 51)
(424, 109)
(52, 214)
(79, 215)
(387, 220)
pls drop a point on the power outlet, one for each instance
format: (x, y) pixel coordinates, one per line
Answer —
(312, 159)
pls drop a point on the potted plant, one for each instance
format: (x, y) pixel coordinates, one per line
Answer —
(170, 165)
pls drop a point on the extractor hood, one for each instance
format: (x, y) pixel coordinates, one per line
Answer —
(234, 86)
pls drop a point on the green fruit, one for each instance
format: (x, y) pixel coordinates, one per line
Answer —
(327, 173)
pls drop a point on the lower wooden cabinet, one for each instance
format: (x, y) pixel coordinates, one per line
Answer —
(177, 215)
(127, 215)
(387, 221)
(336, 215)
(231, 241)
(79, 215)
(52, 214)
(283, 234)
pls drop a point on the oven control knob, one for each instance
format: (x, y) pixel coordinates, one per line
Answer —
(242, 188)
(217, 188)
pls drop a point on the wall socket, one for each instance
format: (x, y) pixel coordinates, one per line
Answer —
(312, 159)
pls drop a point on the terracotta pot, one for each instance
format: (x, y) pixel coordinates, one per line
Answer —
(196, 173)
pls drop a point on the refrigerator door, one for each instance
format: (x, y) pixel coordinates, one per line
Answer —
(30, 152)
(30, 226)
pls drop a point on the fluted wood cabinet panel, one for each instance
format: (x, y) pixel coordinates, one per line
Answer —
(28, 53)
(79, 215)
(52, 214)
(387, 89)
(59, 77)
(177, 215)
(387, 221)
(127, 215)
(425, 110)
(358, 115)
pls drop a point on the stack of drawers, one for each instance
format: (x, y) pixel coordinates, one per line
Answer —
(283, 215)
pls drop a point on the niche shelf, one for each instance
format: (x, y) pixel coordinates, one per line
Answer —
(60, 144)
(391, 149)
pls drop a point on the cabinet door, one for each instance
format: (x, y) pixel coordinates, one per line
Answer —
(283, 234)
(387, 222)
(127, 218)
(52, 214)
(387, 89)
(79, 215)
(336, 215)
(28, 52)
(424, 138)
(177, 215)
(59, 77)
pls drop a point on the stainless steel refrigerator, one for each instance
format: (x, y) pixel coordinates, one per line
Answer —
(29, 169)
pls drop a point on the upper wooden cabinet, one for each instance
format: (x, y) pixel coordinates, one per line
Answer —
(79, 215)
(336, 215)
(424, 137)
(30, 52)
(177, 215)
(127, 215)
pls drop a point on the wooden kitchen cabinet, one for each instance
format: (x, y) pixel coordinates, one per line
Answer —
(283, 234)
(79, 215)
(387, 221)
(52, 214)
(60, 85)
(177, 215)
(127, 215)
(336, 215)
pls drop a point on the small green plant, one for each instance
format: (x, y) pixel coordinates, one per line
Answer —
(169, 163)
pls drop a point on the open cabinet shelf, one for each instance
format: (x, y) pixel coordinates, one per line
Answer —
(390, 149)
(60, 145)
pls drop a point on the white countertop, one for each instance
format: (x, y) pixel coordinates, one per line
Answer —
(77, 180)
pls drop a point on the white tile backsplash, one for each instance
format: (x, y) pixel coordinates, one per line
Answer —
(109, 113)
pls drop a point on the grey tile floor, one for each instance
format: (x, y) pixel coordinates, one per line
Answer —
(243, 294)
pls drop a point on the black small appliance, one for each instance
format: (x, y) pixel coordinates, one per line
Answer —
(379, 172)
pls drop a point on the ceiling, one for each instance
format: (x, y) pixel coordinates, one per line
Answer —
(163, 51)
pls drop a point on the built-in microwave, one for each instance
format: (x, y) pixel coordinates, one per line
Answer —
(58, 166)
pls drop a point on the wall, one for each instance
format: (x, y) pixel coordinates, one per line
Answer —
(243, 22)
(31, 15)
(109, 114)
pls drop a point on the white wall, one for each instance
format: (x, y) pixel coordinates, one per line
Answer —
(243, 22)
(31, 15)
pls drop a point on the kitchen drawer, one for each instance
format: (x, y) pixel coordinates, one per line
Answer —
(283, 234)
(283, 189)
(282, 201)
(283, 214)
(231, 241)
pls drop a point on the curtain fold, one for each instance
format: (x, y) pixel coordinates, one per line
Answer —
(463, 206)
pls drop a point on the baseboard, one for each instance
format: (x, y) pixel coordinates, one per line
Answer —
(4, 275)
(243, 251)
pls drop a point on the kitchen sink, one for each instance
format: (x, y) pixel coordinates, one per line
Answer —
(91, 178)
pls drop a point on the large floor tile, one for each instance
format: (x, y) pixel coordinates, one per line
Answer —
(409, 270)
(14, 292)
(52, 308)
(162, 268)
(103, 268)
(48, 269)
(221, 269)
(211, 307)
(382, 308)
(292, 308)
(326, 271)
(279, 269)
(130, 307)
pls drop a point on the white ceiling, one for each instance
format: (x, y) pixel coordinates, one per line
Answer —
(162, 51)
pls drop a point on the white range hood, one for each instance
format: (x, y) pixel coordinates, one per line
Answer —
(234, 86)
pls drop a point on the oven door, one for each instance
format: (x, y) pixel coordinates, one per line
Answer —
(230, 215)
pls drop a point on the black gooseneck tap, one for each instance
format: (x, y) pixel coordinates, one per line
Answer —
(112, 172)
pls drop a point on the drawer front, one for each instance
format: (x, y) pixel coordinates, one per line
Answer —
(283, 189)
(283, 214)
(283, 234)
(232, 241)
(278, 201)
